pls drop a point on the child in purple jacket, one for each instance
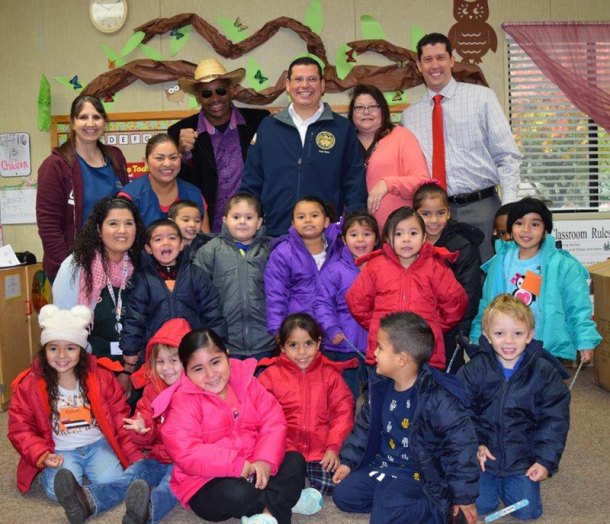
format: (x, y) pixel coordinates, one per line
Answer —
(343, 336)
(296, 261)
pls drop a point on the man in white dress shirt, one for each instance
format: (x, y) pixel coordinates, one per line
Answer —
(480, 151)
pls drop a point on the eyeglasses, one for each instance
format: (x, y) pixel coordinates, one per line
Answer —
(366, 109)
(303, 79)
(207, 93)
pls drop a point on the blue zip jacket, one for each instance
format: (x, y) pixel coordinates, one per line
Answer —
(151, 303)
(524, 419)
(443, 440)
(279, 170)
(566, 325)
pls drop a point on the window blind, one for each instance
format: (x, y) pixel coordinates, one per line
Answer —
(566, 156)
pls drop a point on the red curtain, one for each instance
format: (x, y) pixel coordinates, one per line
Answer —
(575, 56)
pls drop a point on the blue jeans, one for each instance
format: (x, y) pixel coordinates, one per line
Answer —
(106, 496)
(96, 461)
(509, 490)
(393, 500)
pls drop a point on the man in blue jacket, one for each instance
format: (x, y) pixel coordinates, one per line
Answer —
(306, 149)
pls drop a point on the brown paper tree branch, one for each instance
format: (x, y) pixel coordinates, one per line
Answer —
(387, 78)
(223, 46)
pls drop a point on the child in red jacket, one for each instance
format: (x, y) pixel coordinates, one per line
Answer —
(407, 274)
(66, 409)
(316, 400)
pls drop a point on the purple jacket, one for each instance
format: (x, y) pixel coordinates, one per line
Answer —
(331, 309)
(291, 276)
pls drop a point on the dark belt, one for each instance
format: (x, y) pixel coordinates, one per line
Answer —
(475, 196)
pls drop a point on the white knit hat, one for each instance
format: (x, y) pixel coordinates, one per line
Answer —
(62, 324)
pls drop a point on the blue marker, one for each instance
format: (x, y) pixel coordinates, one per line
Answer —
(507, 510)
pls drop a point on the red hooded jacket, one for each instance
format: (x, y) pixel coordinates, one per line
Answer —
(29, 417)
(317, 403)
(427, 287)
(170, 334)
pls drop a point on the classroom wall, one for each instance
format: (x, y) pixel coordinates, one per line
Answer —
(56, 37)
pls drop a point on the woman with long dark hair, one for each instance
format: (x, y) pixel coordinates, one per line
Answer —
(97, 272)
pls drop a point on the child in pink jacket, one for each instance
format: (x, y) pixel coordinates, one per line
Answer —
(227, 438)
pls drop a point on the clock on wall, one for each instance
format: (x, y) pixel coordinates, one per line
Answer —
(108, 16)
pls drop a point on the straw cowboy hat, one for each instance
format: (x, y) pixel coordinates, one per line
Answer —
(208, 70)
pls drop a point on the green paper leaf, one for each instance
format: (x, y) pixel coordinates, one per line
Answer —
(417, 33)
(119, 61)
(371, 28)
(193, 103)
(341, 63)
(175, 44)
(134, 41)
(151, 53)
(110, 53)
(252, 68)
(234, 30)
(392, 98)
(314, 16)
(44, 104)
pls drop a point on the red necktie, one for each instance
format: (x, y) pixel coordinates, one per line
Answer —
(438, 143)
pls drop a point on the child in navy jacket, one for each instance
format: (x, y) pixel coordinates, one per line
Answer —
(520, 408)
(413, 448)
(167, 285)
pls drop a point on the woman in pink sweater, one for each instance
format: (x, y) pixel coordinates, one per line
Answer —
(395, 163)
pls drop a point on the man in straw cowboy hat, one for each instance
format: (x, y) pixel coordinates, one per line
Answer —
(214, 142)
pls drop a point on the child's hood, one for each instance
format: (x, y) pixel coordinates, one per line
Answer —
(242, 373)
(447, 381)
(170, 334)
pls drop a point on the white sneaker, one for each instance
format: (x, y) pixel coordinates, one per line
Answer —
(310, 502)
(261, 518)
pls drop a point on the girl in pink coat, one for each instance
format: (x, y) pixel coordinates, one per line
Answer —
(227, 438)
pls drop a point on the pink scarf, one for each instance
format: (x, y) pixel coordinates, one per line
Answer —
(119, 274)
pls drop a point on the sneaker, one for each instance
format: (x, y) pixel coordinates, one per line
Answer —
(137, 503)
(310, 502)
(261, 518)
(72, 497)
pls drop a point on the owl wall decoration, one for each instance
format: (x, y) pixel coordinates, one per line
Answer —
(472, 36)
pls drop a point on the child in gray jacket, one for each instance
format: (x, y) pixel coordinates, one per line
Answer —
(235, 261)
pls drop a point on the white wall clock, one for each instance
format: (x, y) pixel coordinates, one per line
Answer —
(108, 16)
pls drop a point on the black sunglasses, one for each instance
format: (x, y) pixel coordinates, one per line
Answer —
(207, 93)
